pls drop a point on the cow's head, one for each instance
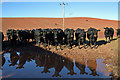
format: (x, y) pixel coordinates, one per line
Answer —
(55, 33)
(118, 30)
(81, 33)
(72, 33)
(11, 34)
(98, 30)
(44, 32)
(106, 30)
(66, 31)
(95, 33)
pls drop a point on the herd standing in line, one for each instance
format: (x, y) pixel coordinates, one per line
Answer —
(58, 37)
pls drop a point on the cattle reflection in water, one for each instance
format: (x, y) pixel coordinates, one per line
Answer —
(2, 62)
(14, 57)
(49, 60)
(81, 66)
(92, 64)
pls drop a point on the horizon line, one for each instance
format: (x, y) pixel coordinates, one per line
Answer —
(60, 17)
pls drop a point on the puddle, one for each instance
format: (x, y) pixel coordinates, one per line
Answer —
(19, 65)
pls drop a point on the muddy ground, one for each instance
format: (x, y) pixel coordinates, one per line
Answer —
(106, 51)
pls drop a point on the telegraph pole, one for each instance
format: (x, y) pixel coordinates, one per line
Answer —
(63, 13)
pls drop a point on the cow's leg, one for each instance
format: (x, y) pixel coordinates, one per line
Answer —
(45, 45)
(9, 41)
(28, 40)
(20, 41)
(76, 43)
(48, 44)
(32, 39)
(15, 41)
(79, 43)
(72, 42)
(60, 42)
(60, 46)
(90, 43)
(12, 42)
(69, 44)
(109, 39)
(40, 40)
(42, 43)
(94, 44)
(56, 45)
(106, 39)
(36, 41)
(84, 44)
(65, 42)
(38, 44)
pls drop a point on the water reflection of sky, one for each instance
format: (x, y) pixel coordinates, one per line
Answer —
(31, 71)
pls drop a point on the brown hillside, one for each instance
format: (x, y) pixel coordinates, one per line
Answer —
(79, 22)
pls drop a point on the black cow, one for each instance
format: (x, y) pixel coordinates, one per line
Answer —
(69, 37)
(47, 37)
(32, 32)
(118, 32)
(38, 36)
(80, 35)
(12, 36)
(2, 35)
(58, 37)
(109, 32)
(92, 35)
(23, 35)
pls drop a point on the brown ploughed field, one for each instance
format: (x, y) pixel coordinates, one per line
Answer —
(108, 52)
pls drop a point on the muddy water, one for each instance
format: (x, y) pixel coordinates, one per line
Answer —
(21, 65)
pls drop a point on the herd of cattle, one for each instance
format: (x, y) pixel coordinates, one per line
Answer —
(58, 37)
